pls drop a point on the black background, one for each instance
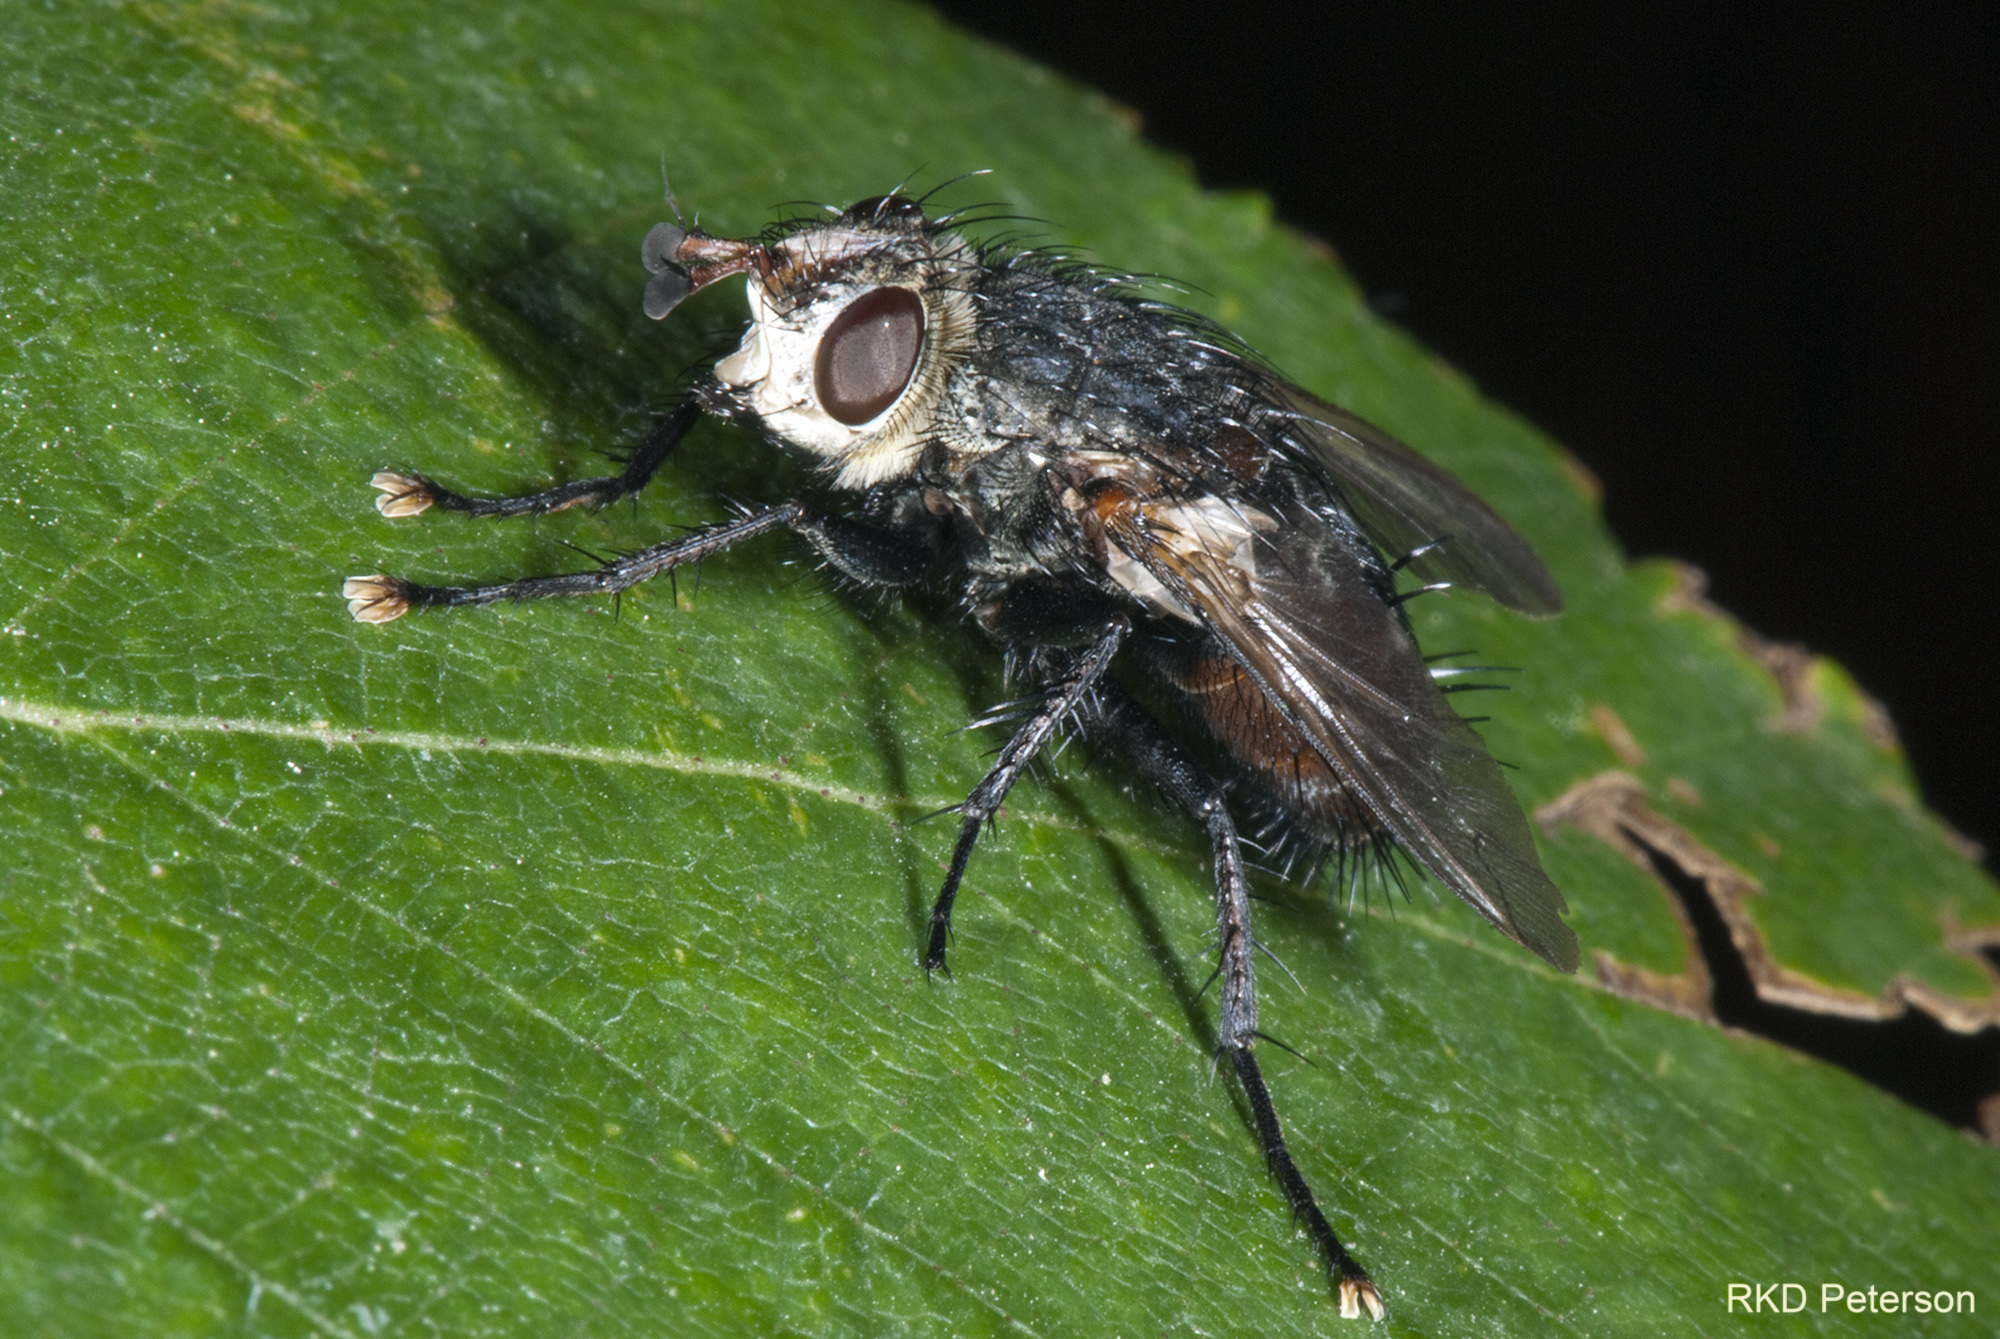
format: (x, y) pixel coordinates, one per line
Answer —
(1742, 260)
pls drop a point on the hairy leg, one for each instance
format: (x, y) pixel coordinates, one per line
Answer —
(410, 494)
(1069, 691)
(1161, 760)
(861, 550)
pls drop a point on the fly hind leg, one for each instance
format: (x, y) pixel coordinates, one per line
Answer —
(1161, 760)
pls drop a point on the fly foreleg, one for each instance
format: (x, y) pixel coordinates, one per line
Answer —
(410, 494)
(862, 550)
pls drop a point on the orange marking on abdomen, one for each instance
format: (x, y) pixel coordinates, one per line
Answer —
(1258, 737)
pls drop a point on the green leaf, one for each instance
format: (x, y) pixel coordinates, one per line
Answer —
(551, 970)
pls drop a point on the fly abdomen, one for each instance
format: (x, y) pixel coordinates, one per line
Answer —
(1285, 778)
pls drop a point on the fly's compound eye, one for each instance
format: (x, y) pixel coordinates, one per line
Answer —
(868, 354)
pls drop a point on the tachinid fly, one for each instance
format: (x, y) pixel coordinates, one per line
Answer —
(1181, 551)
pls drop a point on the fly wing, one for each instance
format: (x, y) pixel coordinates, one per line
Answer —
(1405, 502)
(1294, 601)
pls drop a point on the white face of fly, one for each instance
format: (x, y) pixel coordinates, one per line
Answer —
(851, 338)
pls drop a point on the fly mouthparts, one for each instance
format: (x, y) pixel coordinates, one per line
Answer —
(682, 262)
(662, 247)
(665, 290)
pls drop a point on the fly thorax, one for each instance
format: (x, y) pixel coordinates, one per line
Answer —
(1113, 493)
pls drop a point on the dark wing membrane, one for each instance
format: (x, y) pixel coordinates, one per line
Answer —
(1404, 502)
(1345, 670)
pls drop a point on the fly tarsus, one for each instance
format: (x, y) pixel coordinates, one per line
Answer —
(380, 599)
(377, 598)
(414, 494)
(1349, 1279)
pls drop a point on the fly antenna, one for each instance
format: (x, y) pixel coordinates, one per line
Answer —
(668, 188)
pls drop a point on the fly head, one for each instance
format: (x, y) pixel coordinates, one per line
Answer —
(856, 323)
